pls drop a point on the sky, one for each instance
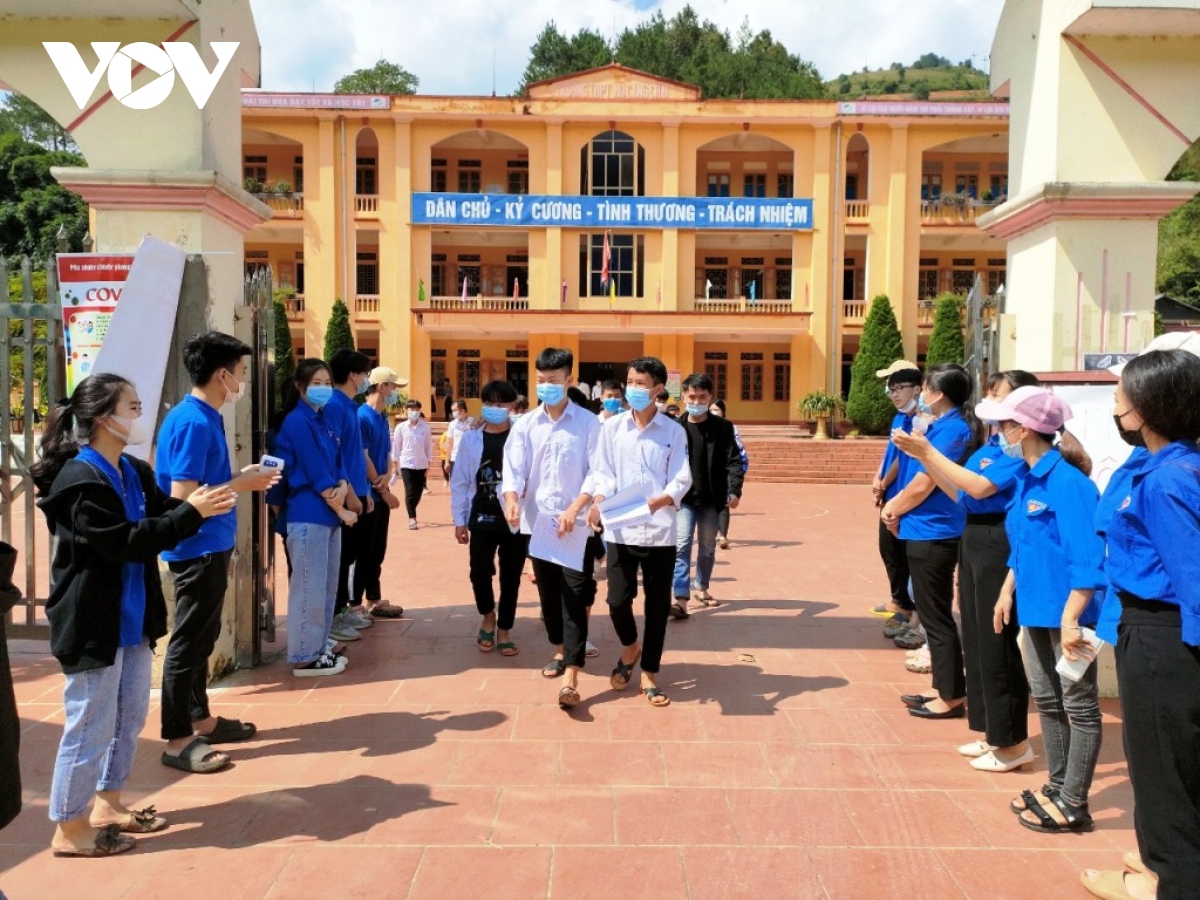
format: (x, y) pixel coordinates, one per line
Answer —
(450, 44)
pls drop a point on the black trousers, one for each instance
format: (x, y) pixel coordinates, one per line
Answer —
(353, 537)
(1159, 679)
(372, 550)
(199, 597)
(414, 487)
(563, 593)
(723, 522)
(895, 562)
(997, 689)
(658, 573)
(931, 564)
(485, 546)
(10, 735)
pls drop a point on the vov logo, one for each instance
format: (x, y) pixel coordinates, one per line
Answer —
(164, 60)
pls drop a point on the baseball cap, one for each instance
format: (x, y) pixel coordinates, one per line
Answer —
(898, 366)
(1034, 407)
(384, 375)
(1172, 340)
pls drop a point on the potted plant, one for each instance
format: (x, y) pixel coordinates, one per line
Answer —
(252, 185)
(280, 187)
(822, 406)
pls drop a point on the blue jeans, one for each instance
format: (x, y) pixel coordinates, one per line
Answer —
(698, 523)
(316, 553)
(106, 710)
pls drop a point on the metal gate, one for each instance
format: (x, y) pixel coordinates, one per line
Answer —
(980, 337)
(32, 334)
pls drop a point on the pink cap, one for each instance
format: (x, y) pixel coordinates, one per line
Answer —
(1034, 407)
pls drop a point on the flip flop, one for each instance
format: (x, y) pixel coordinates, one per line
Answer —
(884, 612)
(1107, 885)
(554, 668)
(568, 697)
(143, 821)
(655, 697)
(704, 598)
(230, 731)
(507, 648)
(619, 680)
(679, 609)
(109, 842)
(194, 758)
(486, 641)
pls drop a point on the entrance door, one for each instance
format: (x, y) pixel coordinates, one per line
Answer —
(517, 374)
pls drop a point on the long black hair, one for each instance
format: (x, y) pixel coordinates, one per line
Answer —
(71, 423)
(306, 370)
(955, 384)
(1163, 388)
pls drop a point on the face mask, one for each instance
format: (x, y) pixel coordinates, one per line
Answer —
(697, 409)
(137, 431)
(389, 398)
(551, 394)
(716, 411)
(661, 407)
(612, 405)
(512, 417)
(232, 397)
(362, 388)
(1133, 437)
(924, 407)
(909, 408)
(495, 415)
(319, 394)
(1009, 449)
(638, 397)
(414, 415)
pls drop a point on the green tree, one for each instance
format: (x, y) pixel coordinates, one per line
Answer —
(868, 407)
(946, 343)
(338, 334)
(1179, 238)
(554, 54)
(33, 206)
(20, 115)
(285, 355)
(382, 78)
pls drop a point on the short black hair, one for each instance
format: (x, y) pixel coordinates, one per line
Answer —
(206, 354)
(699, 381)
(498, 392)
(911, 377)
(552, 359)
(460, 404)
(576, 396)
(1163, 388)
(611, 384)
(522, 404)
(413, 404)
(345, 363)
(652, 366)
(673, 408)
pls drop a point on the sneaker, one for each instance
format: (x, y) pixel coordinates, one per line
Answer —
(896, 626)
(325, 664)
(909, 640)
(344, 633)
(357, 617)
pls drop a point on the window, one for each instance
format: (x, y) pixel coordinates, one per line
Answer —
(927, 283)
(615, 166)
(518, 182)
(299, 277)
(752, 381)
(437, 373)
(366, 277)
(255, 167)
(716, 284)
(469, 181)
(963, 281)
(437, 179)
(931, 186)
(716, 371)
(783, 382)
(967, 184)
(298, 175)
(253, 267)
(437, 280)
(785, 185)
(718, 185)
(783, 279)
(468, 378)
(471, 274)
(754, 185)
(364, 176)
(999, 186)
(625, 265)
(851, 187)
(753, 283)
(995, 278)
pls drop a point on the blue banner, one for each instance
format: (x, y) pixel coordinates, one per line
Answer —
(626, 213)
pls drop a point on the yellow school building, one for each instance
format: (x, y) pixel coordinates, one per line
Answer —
(620, 214)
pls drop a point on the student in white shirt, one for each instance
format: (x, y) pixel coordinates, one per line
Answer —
(412, 449)
(547, 472)
(612, 400)
(645, 450)
(460, 424)
(587, 390)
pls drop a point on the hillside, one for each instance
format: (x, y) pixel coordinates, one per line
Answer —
(930, 75)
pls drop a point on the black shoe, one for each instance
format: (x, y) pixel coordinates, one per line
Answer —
(915, 701)
(924, 712)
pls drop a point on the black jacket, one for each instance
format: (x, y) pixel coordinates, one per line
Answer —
(95, 539)
(10, 721)
(722, 459)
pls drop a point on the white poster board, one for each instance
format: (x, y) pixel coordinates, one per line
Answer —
(1092, 406)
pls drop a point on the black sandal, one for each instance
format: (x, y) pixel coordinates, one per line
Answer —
(623, 673)
(1027, 799)
(554, 668)
(1077, 817)
(230, 731)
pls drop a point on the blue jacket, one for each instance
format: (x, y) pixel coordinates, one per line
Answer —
(1002, 471)
(1053, 545)
(308, 445)
(376, 438)
(1120, 484)
(1154, 536)
(938, 517)
(902, 421)
(344, 411)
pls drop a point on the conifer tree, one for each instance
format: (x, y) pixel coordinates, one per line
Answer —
(869, 407)
(338, 335)
(946, 344)
(285, 357)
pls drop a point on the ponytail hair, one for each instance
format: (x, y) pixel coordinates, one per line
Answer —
(1072, 451)
(72, 423)
(955, 383)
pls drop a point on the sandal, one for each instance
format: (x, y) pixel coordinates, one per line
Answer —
(230, 731)
(1077, 817)
(1028, 799)
(1107, 885)
(144, 821)
(385, 610)
(507, 648)
(656, 697)
(109, 842)
(1134, 862)
(486, 640)
(568, 697)
(554, 668)
(679, 609)
(621, 675)
(196, 758)
(704, 598)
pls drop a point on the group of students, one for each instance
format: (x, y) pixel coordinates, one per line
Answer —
(1001, 494)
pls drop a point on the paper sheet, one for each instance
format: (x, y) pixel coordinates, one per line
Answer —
(568, 550)
(625, 508)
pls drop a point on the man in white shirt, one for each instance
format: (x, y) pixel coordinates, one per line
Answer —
(547, 472)
(412, 449)
(586, 389)
(612, 399)
(647, 451)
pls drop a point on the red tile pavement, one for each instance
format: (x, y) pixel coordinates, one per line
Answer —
(784, 768)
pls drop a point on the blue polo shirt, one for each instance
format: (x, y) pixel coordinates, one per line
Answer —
(938, 517)
(1120, 486)
(344, 411)
(1053, 545)
(1153, 537)
(377, 439)
(1002, 471)
(192, 447)
(892, 454)
(308, 446)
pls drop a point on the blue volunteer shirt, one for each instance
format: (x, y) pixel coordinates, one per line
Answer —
(938, 517)
(1153, 536)
(1120, 484)
(308, 446)
(1054, 548)
(1002, 471)
(192, 447)
(376, 438)
(892, 454)
(344, 411)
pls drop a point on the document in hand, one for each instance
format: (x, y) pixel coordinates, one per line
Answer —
(625, 508)
(567, 550)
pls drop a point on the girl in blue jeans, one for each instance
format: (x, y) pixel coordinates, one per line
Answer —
(313, 491)
(106, 607)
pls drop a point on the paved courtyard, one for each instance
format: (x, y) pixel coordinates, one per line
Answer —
(785, 766)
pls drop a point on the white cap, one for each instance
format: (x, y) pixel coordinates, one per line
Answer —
(384, 375)
(1172, 340)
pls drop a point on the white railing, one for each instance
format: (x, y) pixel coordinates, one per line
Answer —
(284, 206)
(294, 306)
(366, 304)
(858, 210)
(954, 210)
(742, 305)
(854, 312)
(366, 205)
(479, 302)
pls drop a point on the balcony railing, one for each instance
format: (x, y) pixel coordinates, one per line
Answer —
(854, 312)
(954, 210)
(284, 206)
(294, 306)
(479, 302)
(742, 305)
(366, 304)
(366, 206)
(858, 210)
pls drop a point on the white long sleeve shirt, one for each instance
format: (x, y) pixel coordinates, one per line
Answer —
(457, 429)
(547, 464)
(653, 459)
(412, 445)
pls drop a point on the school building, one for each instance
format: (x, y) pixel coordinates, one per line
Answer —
(619, 214)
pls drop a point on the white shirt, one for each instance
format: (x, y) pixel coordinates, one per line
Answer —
(655, 460)
(412, 445)
(547, 464)
(586, 389)
(457, 429)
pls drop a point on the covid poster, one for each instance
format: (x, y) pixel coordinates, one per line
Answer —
(90, 287)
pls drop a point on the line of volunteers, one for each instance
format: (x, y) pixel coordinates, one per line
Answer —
(1001, 495)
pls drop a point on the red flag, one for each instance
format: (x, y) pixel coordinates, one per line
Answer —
(605, 273)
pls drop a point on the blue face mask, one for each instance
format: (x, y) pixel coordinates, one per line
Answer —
(697, 409)
(1013, 450)
(495, 415)
(923, 407)
(362, 388)
(319, 394)
(638, 397)
(551, 394)
(612, 404)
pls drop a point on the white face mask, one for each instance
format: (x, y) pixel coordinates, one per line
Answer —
(232, 397)
(137, 431)
(414, 415)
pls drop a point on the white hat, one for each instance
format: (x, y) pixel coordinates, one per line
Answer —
(1172, 340)
(384, 375)
(900, 365)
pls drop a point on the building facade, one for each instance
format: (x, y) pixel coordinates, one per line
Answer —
(617, 213)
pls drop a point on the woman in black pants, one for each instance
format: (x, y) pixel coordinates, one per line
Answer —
(932, 524)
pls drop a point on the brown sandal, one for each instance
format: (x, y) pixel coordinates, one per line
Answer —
(109, 842)
(655, 697)
(144, 821)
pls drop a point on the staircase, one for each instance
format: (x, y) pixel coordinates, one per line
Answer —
(779, 455)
